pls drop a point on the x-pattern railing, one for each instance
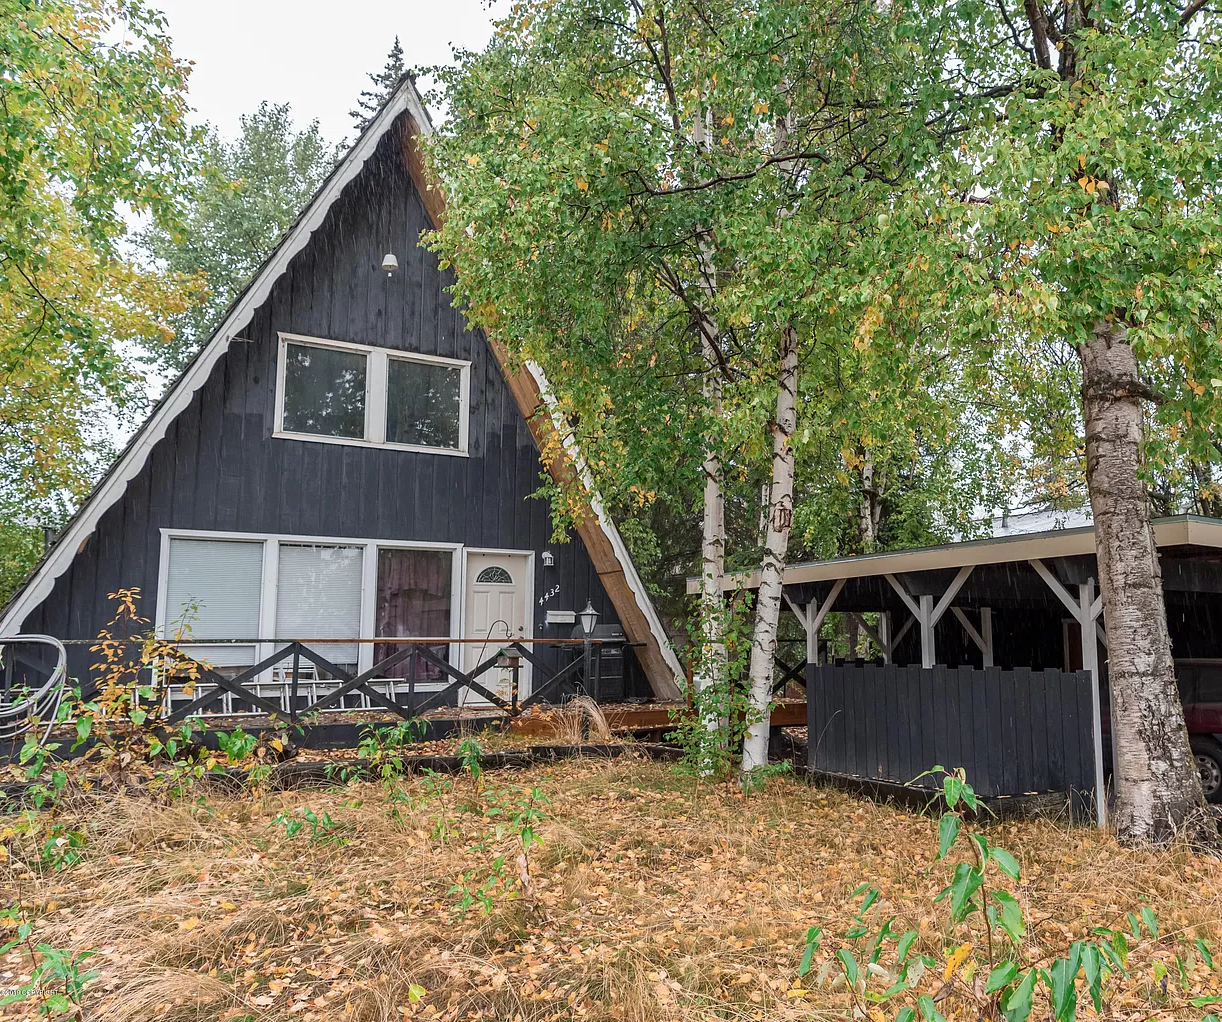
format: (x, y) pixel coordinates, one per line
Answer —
(362, 682)
(787, 674)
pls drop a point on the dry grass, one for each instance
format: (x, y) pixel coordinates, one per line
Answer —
(648, 904)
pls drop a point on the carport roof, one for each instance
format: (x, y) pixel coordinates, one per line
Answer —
(1179, 531)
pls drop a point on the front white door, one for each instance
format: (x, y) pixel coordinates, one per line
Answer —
(496, 611)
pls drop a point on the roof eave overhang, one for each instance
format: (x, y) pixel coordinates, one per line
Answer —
(1183, 530)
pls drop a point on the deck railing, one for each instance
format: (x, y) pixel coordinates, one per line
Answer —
(295, 679)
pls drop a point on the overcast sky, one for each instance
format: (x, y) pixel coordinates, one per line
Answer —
(311, 53)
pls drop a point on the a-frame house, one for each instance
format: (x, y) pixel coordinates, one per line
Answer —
(344, 459)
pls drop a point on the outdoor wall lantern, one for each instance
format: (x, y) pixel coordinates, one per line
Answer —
(589, 618)
(548, 558)
(390, 263)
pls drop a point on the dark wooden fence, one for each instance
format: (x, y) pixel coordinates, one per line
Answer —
(1014, 732)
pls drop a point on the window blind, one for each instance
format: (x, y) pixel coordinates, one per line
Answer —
(212, 592)
(319, 596)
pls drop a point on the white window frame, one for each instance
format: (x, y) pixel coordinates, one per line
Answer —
(163, 577)
(369, 584)
(377, 363)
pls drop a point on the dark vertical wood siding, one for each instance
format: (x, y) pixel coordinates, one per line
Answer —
(1014, 732)
(219, 467)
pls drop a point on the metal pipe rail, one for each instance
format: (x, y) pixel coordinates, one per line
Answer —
(42, 704)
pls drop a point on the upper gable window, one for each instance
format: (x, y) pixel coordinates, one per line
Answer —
(336, 392)
(324, 391)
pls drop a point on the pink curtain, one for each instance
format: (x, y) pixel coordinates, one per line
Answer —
(414, 594)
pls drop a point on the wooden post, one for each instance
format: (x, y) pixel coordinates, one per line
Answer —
(1087, 616)
(986, 633)
(1086, 610)
(926, 621)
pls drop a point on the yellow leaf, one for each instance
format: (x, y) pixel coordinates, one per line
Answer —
(583, 184)
(796, 992)
(276, 744)
(957, 958)
(473, 160)
(189, 924)
(1082, 160)
(415, 992)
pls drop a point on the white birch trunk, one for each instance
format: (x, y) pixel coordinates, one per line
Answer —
(712, 544)
(1158, 789)
(867, 521)
(776, 546)
(713, 534)
(867, 534)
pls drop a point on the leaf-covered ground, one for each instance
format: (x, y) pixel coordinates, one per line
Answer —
(647, 902)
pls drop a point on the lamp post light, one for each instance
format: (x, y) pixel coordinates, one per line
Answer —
(512, 659)
(589, 621)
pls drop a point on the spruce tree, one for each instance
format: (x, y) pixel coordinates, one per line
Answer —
(384, 83)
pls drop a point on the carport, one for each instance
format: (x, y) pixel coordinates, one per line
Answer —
(1027, 600)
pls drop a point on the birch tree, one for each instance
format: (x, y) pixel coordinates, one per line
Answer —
(1087, 179)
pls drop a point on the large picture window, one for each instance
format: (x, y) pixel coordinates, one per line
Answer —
(213, 591)
(336, 392)
(259, 588)
(318, 596)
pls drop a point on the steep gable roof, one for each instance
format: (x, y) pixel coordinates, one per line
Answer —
(529, 386)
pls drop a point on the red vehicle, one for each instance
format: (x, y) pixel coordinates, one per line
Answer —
(1200, 685)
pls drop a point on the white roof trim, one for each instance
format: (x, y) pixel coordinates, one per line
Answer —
(133, 458)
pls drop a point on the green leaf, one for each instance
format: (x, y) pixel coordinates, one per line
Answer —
(1000, 976)
(966, 883)
(1183, 971)
(1151, 920)
(1016, 1005)
(871, 897)
(952, 787)
(905, 945)
(1062, 978)
(1206, 955)
(929, 1010)
(1092, 967)
(1202, 1002)
(1005, 862)
(1011, 915)
(849, 964)
(814, 937)
(1134, 925)
(905, 1015)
